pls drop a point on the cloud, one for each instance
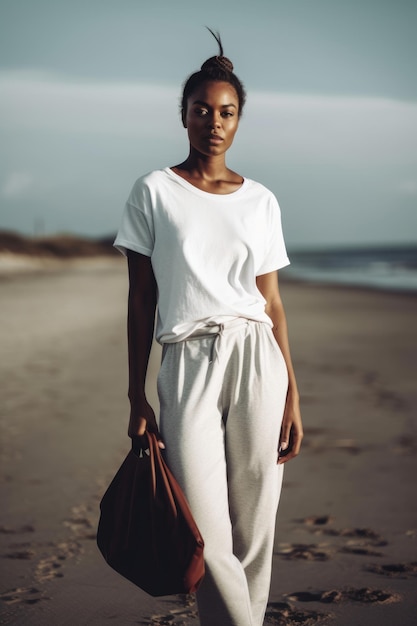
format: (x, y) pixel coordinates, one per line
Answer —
(39, 100)
(336, 127)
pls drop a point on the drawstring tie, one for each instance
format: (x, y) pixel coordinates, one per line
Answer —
(215, 346)
(216, 331)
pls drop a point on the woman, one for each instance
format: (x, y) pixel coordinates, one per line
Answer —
(204, 245)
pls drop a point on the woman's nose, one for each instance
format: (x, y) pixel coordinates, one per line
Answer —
(214, 121)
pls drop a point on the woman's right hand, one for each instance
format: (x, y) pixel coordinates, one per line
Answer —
(143, 419)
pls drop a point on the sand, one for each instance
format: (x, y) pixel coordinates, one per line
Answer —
(345, 550)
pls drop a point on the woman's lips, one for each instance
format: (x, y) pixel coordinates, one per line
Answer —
(215, 139)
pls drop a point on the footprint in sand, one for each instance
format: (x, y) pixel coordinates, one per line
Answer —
(300, 551)
(395, 570)
(358, 533)
(22, 595)
(172, 618)
(27, 528)
(51, 567)
(349, 594)
(360, 539)
(48, 568)
(284, 614)
(20, 551)
(82, 522)
(359, 550)
(184, 615)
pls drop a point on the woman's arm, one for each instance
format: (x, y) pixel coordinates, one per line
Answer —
(140, 328)
(292, 428)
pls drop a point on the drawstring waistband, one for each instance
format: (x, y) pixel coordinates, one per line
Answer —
(218, 330)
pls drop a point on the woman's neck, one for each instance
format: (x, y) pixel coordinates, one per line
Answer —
(208, 173)
(205, 168)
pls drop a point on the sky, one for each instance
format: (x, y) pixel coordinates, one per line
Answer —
(89, 101)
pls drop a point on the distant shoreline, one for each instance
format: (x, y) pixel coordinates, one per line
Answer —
(61, 246)
(20, 254)
(391, 269)
(22, 264)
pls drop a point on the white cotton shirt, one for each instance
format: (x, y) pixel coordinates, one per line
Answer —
(206, 249)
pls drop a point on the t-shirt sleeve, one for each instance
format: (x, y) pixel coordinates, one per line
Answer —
(136, 231)
(275, 251)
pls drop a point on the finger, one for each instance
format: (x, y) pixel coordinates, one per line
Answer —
(152, 427)
(142, 426)
(285, 459)
(298, 437)
(293, 452)
(157, 434)
(284, 440)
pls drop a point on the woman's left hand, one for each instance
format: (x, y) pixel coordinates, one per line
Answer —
(291, 430)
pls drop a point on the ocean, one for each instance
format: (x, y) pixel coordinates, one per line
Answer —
(386, 268)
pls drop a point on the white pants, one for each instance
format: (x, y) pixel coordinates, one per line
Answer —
(222, 394)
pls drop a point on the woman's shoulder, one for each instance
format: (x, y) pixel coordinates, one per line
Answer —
(147, 186)
(257, 186)
(260, 190)
(150, 179)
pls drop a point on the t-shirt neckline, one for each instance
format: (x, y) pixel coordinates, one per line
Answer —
(201, 192)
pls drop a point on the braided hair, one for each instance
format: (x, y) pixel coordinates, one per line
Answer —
(218, 68)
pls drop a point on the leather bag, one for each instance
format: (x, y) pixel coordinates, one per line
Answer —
(146, 531)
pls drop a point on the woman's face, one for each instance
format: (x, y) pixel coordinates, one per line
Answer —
(212, 117)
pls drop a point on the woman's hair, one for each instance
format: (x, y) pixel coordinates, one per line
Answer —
(216, 68)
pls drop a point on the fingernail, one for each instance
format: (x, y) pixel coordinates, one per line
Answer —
(284, 445)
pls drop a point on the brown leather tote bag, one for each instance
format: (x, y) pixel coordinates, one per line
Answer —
(146, 531)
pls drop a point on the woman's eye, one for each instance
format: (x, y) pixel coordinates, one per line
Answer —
(227, 114)
(201, 112)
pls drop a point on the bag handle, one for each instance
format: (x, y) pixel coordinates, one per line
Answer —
(158, 465)
(152, 461)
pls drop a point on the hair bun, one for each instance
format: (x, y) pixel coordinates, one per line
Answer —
(218, 68)
(216, 63)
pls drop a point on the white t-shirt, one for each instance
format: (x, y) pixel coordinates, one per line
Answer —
(206, 249)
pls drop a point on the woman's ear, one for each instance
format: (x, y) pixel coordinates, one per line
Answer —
(183, 114)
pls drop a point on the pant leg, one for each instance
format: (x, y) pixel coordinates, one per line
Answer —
(252, 427)
(192, 428)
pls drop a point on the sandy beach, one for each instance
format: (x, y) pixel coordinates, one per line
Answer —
(345, 550)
